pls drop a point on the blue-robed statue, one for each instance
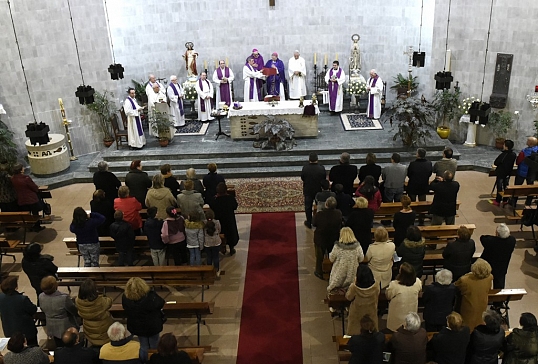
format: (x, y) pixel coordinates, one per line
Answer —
(275, 83)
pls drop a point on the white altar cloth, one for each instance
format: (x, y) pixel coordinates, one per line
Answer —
(264, 108)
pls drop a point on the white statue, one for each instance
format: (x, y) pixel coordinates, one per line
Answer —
(355, 59)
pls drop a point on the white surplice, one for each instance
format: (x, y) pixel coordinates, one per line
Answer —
(217, 84)
(154, 98)
(297, 83)
(149, 87)
(205, 91)
(375, 91)
(178, 119)
(339, 105)
(135, 140)
(248, 74)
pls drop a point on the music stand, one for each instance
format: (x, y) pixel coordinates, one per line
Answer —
(219, 115)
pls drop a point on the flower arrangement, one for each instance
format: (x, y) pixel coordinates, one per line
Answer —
(356, 88)
(190, 92)
(467, 103)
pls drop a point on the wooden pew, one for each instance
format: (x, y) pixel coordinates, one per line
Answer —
(196, 354)
(176, 310)
(188, 276)
(18, 220)
(420, 207)
(519, 191)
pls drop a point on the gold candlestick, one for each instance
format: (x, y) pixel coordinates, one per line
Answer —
(67, 134)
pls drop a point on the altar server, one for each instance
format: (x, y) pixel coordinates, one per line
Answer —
(374, 86)
(297, 76)
(152, 81)
(135, 133)
(156, 96)
(223, 78)
(176, 95)
(335, 78)
(275, 83)
(250, 76)
(204, 88)
(258, 66)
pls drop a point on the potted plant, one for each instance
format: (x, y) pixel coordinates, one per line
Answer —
(104, 108)
(278, 134)
(161, 124)
(446, 104)
(140, 91)
(414, 117)
(402, 84)
(8, 149)
(500, 123)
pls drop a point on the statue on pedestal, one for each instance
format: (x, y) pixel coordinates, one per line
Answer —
(355, 61)
(190, 60)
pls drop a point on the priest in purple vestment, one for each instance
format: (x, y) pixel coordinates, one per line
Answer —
(135, 133)
(275, 83)
(223, 78)
(374, 86)
(258, 66)
(335, 78)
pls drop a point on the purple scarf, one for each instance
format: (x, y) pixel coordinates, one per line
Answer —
(137, 118)
(202, 102)
(333, 89)
(251, 91)
(371, 103)
(179, 101)
(224, 87)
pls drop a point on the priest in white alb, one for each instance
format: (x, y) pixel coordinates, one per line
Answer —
(297, 76)
(223, 78)
(155, 97)
(335, 78)
(204, 88)
(175, 95)
(250, 75)
(135, 133)
(374, 86)
(152, 81)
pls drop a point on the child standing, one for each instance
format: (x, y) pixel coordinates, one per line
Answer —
(173, 235)
(194, 229)
(212, 240)
(123, 234)
(152, 228)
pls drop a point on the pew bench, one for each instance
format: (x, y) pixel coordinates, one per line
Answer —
(519, 191)
(195, 353)
(185, 276)
(19, 220)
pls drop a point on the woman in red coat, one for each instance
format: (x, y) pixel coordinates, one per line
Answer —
(130, 208)
(26, 190)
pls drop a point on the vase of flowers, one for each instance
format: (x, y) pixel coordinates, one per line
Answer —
(356, 88)
(467, 103)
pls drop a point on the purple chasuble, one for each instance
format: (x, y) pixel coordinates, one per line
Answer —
(251, 90)
(202, 101)
(224, 87)
(179, 100)
(333, 89)
(371, 108)
(137, 118)
(273, 82)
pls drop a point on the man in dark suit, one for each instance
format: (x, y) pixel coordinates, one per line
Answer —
(311, 175)
(344, 174)
(419, 172)
(106, 181)
(74, 351)
(445, 197)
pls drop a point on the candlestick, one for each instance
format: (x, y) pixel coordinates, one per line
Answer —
(315, 58)
(216, 64)
(336, 57)
(205, 64)
(226, 61)
(448, 60)
(67, 133)
(325, 59)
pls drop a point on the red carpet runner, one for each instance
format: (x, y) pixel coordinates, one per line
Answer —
(270, 329)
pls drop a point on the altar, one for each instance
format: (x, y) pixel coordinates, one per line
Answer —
(242, 120)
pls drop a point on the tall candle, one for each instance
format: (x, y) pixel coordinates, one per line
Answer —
(447, 63)
(336, 57)
(216, 64)
(205, 65)
(325, 59)
(226, 61)
(315, 58)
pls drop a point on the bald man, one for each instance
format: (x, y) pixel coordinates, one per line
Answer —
(74, 351)
(152, 81)
(524, 173)
(374, 86)
(297, 75)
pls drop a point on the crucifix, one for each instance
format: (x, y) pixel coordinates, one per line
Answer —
(409, 54)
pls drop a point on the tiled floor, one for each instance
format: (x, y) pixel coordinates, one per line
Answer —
(222, 329)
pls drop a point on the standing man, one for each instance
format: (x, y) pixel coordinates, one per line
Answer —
(297, 76)
(204, 88)
(445, 198)
(106, 181)
(344, 174)
(504, 164)
(523, 171)
(258, 66)
(374, 86)
(251, 76)
(335, 78)
(419, 172)
(275, 83)
(497, 252)
(394, 179)
(176, 95)
(447, 163)
(156, 96)
(223, 78)
(151, 84)
(311, 175)
(135, 134)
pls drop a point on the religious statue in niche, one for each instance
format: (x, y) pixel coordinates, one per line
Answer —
(355, 61)
(190, 59)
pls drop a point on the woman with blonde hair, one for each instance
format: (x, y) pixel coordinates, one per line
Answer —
(143, 310)
(379, 256)
(474, 289)
(346, 256)
(160, 197)
(449, 344)
(191, 176)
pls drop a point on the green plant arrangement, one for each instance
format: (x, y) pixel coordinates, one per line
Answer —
(356, 88)
(190, 92)
(8, 149)
(402, 83)
(161, 124)
(500, 122)
(414, 117)
(104, 108)
(140, 91)
(446, 104)
(278, 134)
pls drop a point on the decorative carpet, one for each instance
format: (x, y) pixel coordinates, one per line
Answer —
(270, 329)
(277, 194)
(192, 127)
(359, 122)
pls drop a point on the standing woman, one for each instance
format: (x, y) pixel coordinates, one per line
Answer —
(104, 206)
(8, 196)
(17, 311)
(370, 191)
(403, 296)
(143, 310)
(26, 191)
(402, 220)
(346, 256)
(224, 206)
(360, 220)
(130, 207)
(160, 196)
(521, 346)
(37, 266)
(86, 230)
(379, 256)
(173, 235)
(363, 294)
(138, 182)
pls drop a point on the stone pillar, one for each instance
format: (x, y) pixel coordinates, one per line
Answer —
(49, 158)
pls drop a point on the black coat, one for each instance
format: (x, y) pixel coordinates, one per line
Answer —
(77, 354)
(37, 269)
(152, 228)
(444, 198)
(105, 208)
(172, 184)
(457, 257)
(366, 349)
(449, 347)
(328, 224)
(497, 252)
(312, 175)
(345, 175)
(344, 203)
(370, 170)
(438, 302)
(360, 221)
(211, 180)
(180, 357)
(505, 163)
(17, 313)
(485, 345)
(108, 182)
(144, 316)
(138, 183)
(402, 220)
(224, 207)
(123, 235)
(412, 252)
(419, 172)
